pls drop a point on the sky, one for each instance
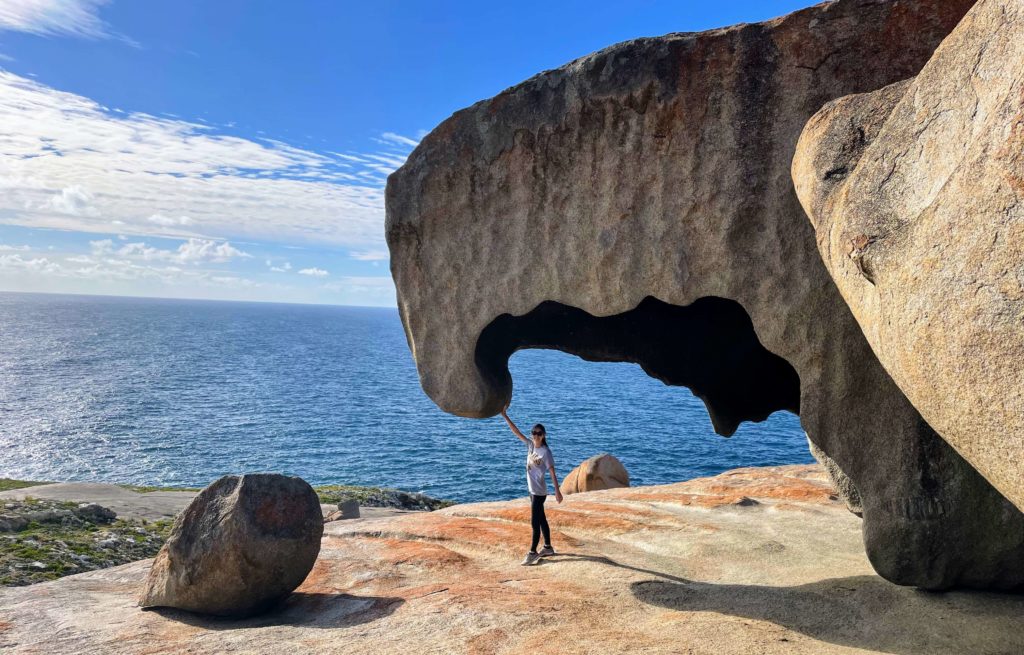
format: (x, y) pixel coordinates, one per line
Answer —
(238, 150)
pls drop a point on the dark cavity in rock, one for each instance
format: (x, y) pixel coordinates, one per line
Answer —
(708, 346)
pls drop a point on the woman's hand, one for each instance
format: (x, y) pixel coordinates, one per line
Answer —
(558, 495)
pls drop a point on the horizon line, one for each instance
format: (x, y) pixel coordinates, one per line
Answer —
(235, 300)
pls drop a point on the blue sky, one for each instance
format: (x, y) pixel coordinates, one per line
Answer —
(238, 150)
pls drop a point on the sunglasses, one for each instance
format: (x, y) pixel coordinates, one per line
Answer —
(537, 433)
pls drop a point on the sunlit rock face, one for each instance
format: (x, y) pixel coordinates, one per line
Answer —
(916, 192)
(636, 205)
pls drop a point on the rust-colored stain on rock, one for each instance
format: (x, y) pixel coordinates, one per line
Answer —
(450, 582)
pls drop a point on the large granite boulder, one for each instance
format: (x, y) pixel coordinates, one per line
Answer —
(243, 544)
(636, 205)
(916, 192)
(601, 471)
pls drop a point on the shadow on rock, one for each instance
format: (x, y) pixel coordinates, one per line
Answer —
(858, 611)
(861, 611)
(312, 610)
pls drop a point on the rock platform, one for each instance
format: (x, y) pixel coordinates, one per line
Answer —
(761, 560)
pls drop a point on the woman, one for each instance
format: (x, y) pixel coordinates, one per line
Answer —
(538, 460)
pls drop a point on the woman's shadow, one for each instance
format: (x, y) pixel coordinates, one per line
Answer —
(858, 611)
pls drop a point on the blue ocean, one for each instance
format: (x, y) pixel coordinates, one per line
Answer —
(180, 392)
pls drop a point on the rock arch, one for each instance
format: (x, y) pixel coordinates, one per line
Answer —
(709, 347)
(660, 167)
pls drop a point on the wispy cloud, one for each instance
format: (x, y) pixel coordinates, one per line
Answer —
(370, 255)
(314, 272)
(169, 221)
(391, 137)
(54, 17)
(68, 163)
(370, 287)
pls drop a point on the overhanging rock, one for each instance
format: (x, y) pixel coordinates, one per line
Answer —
(636, 205)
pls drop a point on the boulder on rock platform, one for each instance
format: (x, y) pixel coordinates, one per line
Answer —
(602, 471)
(244, 543)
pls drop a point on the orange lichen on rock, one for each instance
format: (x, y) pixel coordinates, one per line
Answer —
(793, 483)
(629, 576)
(419, 553)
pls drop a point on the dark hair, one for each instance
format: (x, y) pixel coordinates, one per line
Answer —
(544, 433)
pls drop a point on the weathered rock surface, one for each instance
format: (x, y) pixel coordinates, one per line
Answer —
(681, 568)
(244, 543)
(601, 471)
(917, 195)
(636, 205)
(842, 483)
(347, 509)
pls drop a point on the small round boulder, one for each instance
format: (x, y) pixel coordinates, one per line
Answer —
(244, 543)
(602, 471)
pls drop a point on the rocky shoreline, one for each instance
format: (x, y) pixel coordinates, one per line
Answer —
(43, 539)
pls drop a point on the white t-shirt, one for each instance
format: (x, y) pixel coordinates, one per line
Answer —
(537, 463)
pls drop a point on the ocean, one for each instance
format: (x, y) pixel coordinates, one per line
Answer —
(180, 392)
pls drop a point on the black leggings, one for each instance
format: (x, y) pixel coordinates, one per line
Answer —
(538, 521)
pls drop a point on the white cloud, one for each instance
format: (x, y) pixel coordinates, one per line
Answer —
(73, 201)
(370, 255)
(102, 247)
(199, 250)
(314, 272)
(53, 17)
(283, 268)
(105, 266)
(35, 265)
(192, 251)
(167, 221)
(9, 248)
(68, 163)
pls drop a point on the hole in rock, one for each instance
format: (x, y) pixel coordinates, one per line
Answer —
(708, 346)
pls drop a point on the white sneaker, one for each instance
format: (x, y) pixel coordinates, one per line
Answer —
(531, 559)
(545, 551)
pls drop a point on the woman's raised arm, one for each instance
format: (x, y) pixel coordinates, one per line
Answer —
(512, 426)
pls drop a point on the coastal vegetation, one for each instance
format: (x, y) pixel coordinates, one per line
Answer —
(7, 484)
(44, 540)
(378, 497)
